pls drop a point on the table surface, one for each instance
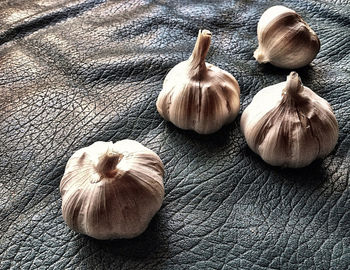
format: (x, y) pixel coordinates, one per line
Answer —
(76, 72)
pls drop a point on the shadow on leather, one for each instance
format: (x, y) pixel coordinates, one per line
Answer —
(211, 142)
(148, 246)
(312, 175)
(307, 73)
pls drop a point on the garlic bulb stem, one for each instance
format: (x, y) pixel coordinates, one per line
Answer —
(107, 166)
(293, 88)
(197, 60)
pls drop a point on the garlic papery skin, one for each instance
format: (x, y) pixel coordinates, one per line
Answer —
(112, 190)
(199, 96)
(285, 39)
(288, 125)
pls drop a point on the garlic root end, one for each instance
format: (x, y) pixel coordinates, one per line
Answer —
(260, 57)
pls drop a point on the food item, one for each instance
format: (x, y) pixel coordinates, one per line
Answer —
(112, 190)
(197, 95)
(289, 125)
(285, 39)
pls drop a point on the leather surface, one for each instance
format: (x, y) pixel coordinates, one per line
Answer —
(74, 72)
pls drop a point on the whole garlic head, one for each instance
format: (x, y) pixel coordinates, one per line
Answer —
(289, 125)
(285, 39)
(112, 190)
(197, 95)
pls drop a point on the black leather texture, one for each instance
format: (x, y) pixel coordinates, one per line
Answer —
(76, 72)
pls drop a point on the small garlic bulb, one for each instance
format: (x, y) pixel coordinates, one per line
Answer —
(289, 125)
(285, 39)
(112, 190)
(197, 95)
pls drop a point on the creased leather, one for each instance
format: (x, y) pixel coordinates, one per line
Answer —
(74, 72)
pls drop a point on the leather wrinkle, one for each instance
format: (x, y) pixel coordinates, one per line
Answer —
(26, 28)
(72, 73)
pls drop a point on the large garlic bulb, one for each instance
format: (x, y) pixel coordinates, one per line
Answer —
(285, 39)
(197, 95)
(112, 190)
(289, 125)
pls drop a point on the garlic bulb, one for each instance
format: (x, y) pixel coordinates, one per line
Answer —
(112, 190)
(285, 39)
(289, 125)
(197, 95)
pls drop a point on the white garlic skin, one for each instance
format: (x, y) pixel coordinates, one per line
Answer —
(289, 125)
(111, 190)
(199, 96)
(285, 39)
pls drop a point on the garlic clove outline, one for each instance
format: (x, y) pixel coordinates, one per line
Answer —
(111, 190)
(199, 96)
(285, 39)
(289, 125)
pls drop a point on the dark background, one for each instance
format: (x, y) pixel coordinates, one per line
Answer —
(75, 72)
